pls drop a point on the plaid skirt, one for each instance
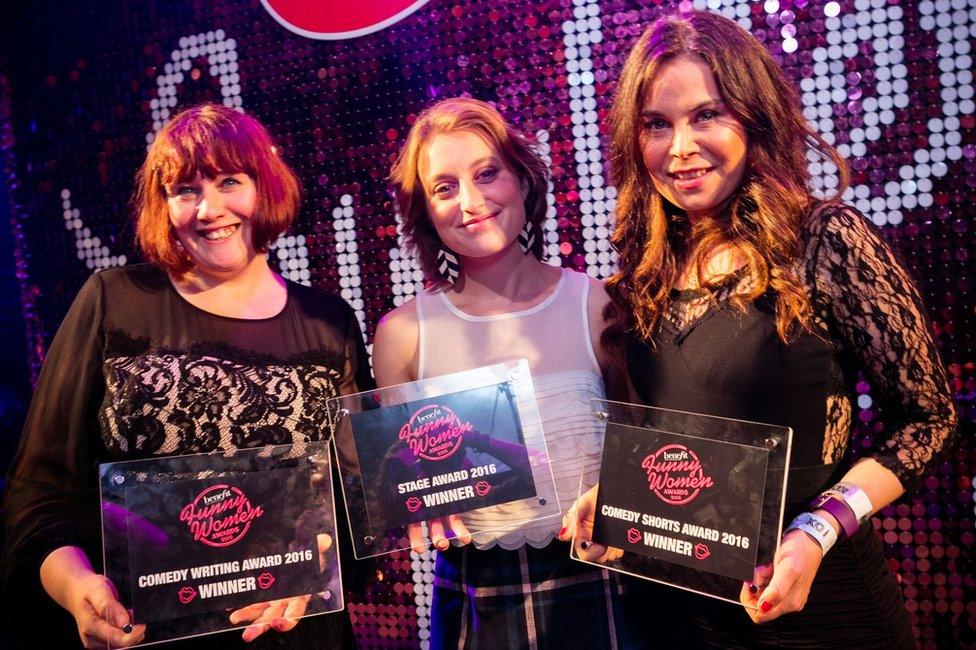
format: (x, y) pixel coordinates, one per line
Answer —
(530, 598)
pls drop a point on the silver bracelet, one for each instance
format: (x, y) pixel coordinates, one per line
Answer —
(856, 499)
(816, 527)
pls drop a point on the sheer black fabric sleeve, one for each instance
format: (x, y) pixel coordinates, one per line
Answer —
(876, 310)
(52, 487)
(357, 375)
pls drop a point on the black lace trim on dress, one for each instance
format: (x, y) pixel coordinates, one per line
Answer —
(121, 344)
(688, 307)
(164, 402)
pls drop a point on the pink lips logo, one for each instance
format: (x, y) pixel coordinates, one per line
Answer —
(633, 535)
(187, 594)
(701, 551)
(265, 580)
(414, 504)
(482, 488)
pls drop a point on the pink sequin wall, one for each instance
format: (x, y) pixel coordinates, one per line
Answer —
(890, 82)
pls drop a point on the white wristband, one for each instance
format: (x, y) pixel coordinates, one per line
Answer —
(856, 499)
(816, 527)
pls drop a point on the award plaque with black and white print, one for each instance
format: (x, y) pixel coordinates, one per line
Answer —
(439, 447)
(188, 540)
(686, 499)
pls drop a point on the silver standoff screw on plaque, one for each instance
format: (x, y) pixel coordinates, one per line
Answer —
(344, 412)
(326, 595)
(543, 501)
(368, 540)
(772, 442)
(603, 416)
(118, 479)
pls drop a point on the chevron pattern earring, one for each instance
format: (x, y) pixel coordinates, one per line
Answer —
(526, 237)
(448, 265)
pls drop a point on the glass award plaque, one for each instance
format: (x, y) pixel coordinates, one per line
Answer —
(188, 540)
(468, 445)
(689, 500)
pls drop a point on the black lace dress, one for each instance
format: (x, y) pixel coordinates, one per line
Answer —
(713, 358)
(136, 371)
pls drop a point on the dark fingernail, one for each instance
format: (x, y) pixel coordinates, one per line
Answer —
(127, 628)
(584, 545)
(753, 589)
(765, 606)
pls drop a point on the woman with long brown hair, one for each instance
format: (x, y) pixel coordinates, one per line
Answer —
(740, 294)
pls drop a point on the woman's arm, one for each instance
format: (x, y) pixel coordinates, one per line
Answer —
(578, 521)
(396, 350)
(876, 311)
(51, 511)
(614, 369)
(785, 586)
(396, 346)
(90, 598)
(356, 374)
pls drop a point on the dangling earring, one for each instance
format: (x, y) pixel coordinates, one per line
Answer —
(526, 237)
(448, 265)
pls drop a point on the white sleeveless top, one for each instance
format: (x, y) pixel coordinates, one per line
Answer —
(555, 338)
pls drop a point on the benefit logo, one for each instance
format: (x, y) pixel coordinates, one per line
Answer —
(220, 515)
(434, 432)
(675, 474)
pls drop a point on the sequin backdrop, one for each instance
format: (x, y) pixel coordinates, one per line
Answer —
(889, 81)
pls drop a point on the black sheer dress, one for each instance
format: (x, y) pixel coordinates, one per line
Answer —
(136, 371)
(711, 357)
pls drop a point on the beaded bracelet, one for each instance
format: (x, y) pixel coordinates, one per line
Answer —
(816, 527)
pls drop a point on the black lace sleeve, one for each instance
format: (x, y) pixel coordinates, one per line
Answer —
(52, 488)
(874, 307)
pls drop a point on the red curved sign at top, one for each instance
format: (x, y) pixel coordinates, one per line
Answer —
(335, 20)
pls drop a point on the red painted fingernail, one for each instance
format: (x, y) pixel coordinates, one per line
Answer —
(765, 606)
(562, 531)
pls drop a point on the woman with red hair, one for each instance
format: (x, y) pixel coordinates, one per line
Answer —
(204, 349)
